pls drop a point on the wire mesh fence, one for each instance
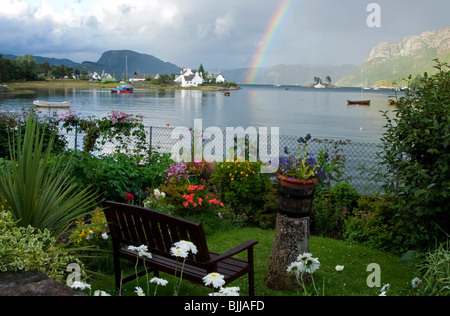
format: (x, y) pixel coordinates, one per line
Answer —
(357, 157)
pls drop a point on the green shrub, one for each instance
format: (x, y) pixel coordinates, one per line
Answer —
(331, 207)
(417, 157)
(118, 174)
(375, 223)
(241, 186)
(12, 126)
(30, 249)
(40, 193)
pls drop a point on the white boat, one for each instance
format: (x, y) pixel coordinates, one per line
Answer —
(319, 86)
(47, 104)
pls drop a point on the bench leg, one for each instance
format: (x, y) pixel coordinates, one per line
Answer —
(117, 273)
(251, 273)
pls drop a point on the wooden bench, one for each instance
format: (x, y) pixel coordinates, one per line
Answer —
(135, 226)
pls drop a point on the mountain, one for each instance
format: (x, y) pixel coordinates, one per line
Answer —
(389, 62)
(290, 74)
(114, 62)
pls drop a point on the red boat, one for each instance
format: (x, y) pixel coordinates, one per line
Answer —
(123, 89)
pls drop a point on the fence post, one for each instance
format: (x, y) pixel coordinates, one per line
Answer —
(150, 150)
(76, 137)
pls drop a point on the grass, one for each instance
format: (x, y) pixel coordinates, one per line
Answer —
(29, 87)
(350, 282)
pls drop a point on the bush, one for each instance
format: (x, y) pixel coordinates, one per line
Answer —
(331, 207)
(417, 156)
(13, 125)
(30, 249)
(118, 174)
(241, 186)
(374, 223)
(40, 193)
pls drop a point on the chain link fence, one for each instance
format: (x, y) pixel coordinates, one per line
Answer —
(358, 157)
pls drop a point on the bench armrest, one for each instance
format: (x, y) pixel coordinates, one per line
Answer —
(245, 246)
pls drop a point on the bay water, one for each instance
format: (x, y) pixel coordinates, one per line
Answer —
(297, 111)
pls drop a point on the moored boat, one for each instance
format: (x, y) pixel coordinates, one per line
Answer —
(361, 102)
(48, 104)
(123, 89)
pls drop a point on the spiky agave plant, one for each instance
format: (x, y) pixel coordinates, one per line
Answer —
(41, 193)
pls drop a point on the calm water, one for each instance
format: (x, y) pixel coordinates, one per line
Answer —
(297, 111)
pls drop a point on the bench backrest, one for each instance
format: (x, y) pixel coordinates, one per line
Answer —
(136, 226)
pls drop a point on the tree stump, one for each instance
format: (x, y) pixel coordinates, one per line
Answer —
(291, 240)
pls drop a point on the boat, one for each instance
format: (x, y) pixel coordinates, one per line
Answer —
(392, 102)
(319, 86)
(123, 89)
(47, 104)
(361, 102)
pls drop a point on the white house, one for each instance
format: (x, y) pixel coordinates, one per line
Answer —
(96, 76)
(143, 77)
(188, 78)
(220, 78)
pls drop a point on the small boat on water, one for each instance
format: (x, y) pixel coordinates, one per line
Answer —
(319, 86)
(362, 102)
(47, 104)
(392, 102)
(123, 89)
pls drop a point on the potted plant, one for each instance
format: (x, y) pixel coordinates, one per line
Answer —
(298, 176)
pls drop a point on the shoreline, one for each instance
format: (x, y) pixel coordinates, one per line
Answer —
(30, 87)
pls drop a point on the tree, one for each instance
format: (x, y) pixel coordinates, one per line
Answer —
(328, 79)
(28, 67)
(417, 157)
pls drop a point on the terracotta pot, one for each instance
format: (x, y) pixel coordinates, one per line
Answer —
(295, 196)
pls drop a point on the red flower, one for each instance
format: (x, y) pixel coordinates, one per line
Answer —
(129, 196)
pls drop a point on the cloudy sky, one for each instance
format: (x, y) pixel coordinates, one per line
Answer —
(219, 34)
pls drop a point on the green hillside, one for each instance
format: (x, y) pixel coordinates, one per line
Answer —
(380, 72)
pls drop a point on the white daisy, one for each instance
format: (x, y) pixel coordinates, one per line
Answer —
(177, 252)
(139, 291)
(187, 246)
(159, 281)
(214, 279)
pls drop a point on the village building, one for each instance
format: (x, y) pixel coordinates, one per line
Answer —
(220, 79)
(189, 78)
(142, 77)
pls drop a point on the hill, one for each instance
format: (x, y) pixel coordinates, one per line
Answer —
(389, 63)
(114, 62)
(291, 74)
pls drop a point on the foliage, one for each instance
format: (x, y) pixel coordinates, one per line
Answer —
(417, 156)
(117, 174)
(241, 185)
(372, 224)
(11, 124)
(28, 248)
(90, 230)
(434, 269)
(40, 193)
(119, 128)
(331, 207)
(301, 165)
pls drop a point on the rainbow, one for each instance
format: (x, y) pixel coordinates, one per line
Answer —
(274, 24)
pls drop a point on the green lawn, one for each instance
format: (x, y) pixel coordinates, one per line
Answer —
(352, 281)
